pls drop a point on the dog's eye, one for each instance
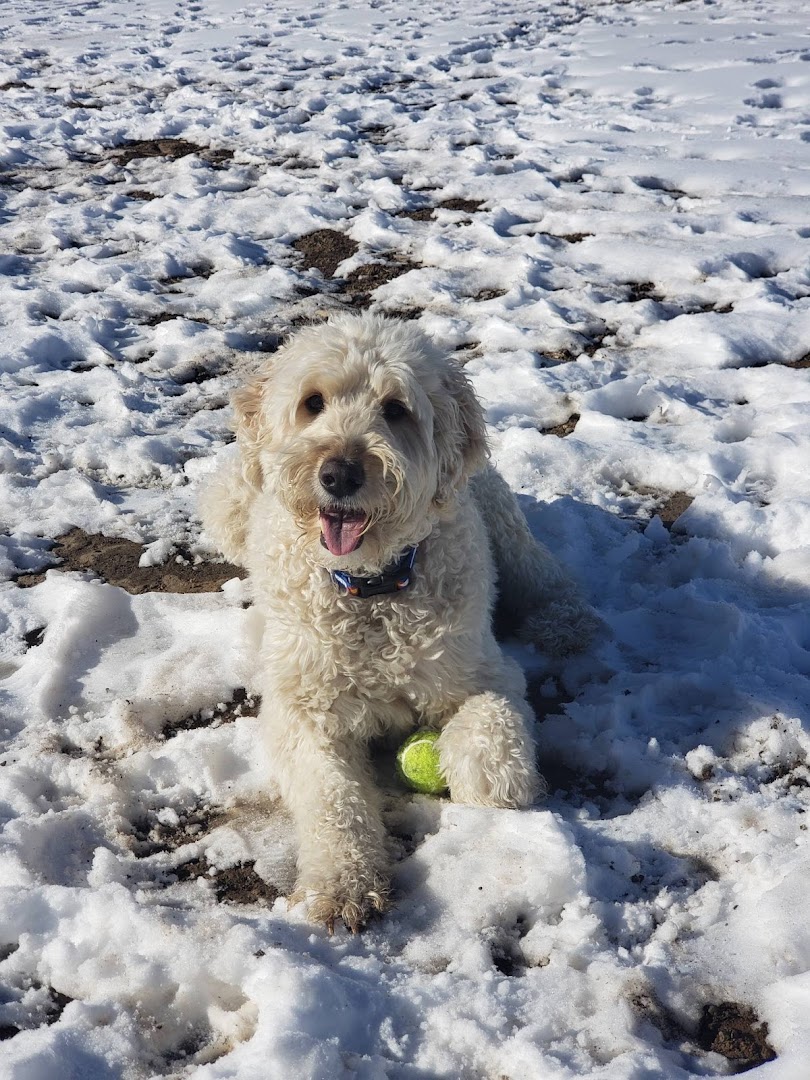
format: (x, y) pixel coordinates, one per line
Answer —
(314, 404)
(394, 410)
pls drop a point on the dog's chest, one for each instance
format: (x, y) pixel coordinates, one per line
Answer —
(385, 639)
(399, 646)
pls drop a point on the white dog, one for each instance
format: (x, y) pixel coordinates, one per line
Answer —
(371, 561)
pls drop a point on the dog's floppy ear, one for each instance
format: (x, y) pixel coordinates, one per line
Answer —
(460, 433)
(248, 404)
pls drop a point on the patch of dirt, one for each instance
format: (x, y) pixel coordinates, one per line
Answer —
(734, 1031)
(360, 283)
(488, 294)
(370, 276)
(422, 213)
(569, 238)
(376, 133)
(115, 560)
(505, 949)
(673, 506)
(325, 250)
(141, 195)
(203, 270)
(195, 373)
(428, 213)
(160, 317)
(641, 290)
(34, 637)
(563, 429)
(241, 704)
(149, 835)
(647, 1006)
(591, 347)
(238, 884)
(15, 84)
(669, 505)
(804, 362)
(165, 148)
(465, 206)
(403, 313)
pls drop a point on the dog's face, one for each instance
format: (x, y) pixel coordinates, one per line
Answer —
(365, 432)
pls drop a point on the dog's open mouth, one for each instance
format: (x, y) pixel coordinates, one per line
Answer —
(342, 530)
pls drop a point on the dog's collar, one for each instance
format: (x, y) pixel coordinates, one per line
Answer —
(394, 578)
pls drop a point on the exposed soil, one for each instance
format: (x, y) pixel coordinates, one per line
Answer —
(238, 884)
(428, 213)
(165, 148)
(804, 362)
(673, 506)
(151, 836)
(726, 1028)
(375, 133)
(466, 206)
(403, 313)
(202, 270)
(641, 290)
(141, 195)
(735, 1032)
(362, 282)
(505, 949)
(563, 429)
(195, 373)
(325, 250)
(669, 505)
(241, 704)
(34, 637)
(423, 213)
(369, 277)
(553, 357)
(115, 560)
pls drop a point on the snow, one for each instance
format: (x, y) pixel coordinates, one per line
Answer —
(640, 258)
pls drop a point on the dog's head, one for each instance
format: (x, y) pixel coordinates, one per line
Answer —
(365, 431)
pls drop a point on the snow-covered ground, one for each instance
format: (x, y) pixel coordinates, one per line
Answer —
(623, 262)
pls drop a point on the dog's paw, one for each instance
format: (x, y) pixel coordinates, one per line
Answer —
(487, 754)
(351, 901)
(514, 789)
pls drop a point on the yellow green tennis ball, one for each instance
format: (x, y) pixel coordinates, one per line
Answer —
(418, 763)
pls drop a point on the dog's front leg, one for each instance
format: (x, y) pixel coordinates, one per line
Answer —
(486, 752)
(327, 785)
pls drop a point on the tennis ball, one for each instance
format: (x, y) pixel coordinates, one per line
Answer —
(418, 763)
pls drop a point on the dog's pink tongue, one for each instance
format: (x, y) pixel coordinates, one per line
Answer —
(342, 533)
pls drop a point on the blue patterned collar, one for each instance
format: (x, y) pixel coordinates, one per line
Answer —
(394, 578)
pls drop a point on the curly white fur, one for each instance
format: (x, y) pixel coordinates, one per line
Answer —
(337, 670)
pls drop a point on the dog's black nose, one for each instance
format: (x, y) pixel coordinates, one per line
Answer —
(341, 478)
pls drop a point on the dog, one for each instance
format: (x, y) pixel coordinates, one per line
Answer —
(364, 508)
